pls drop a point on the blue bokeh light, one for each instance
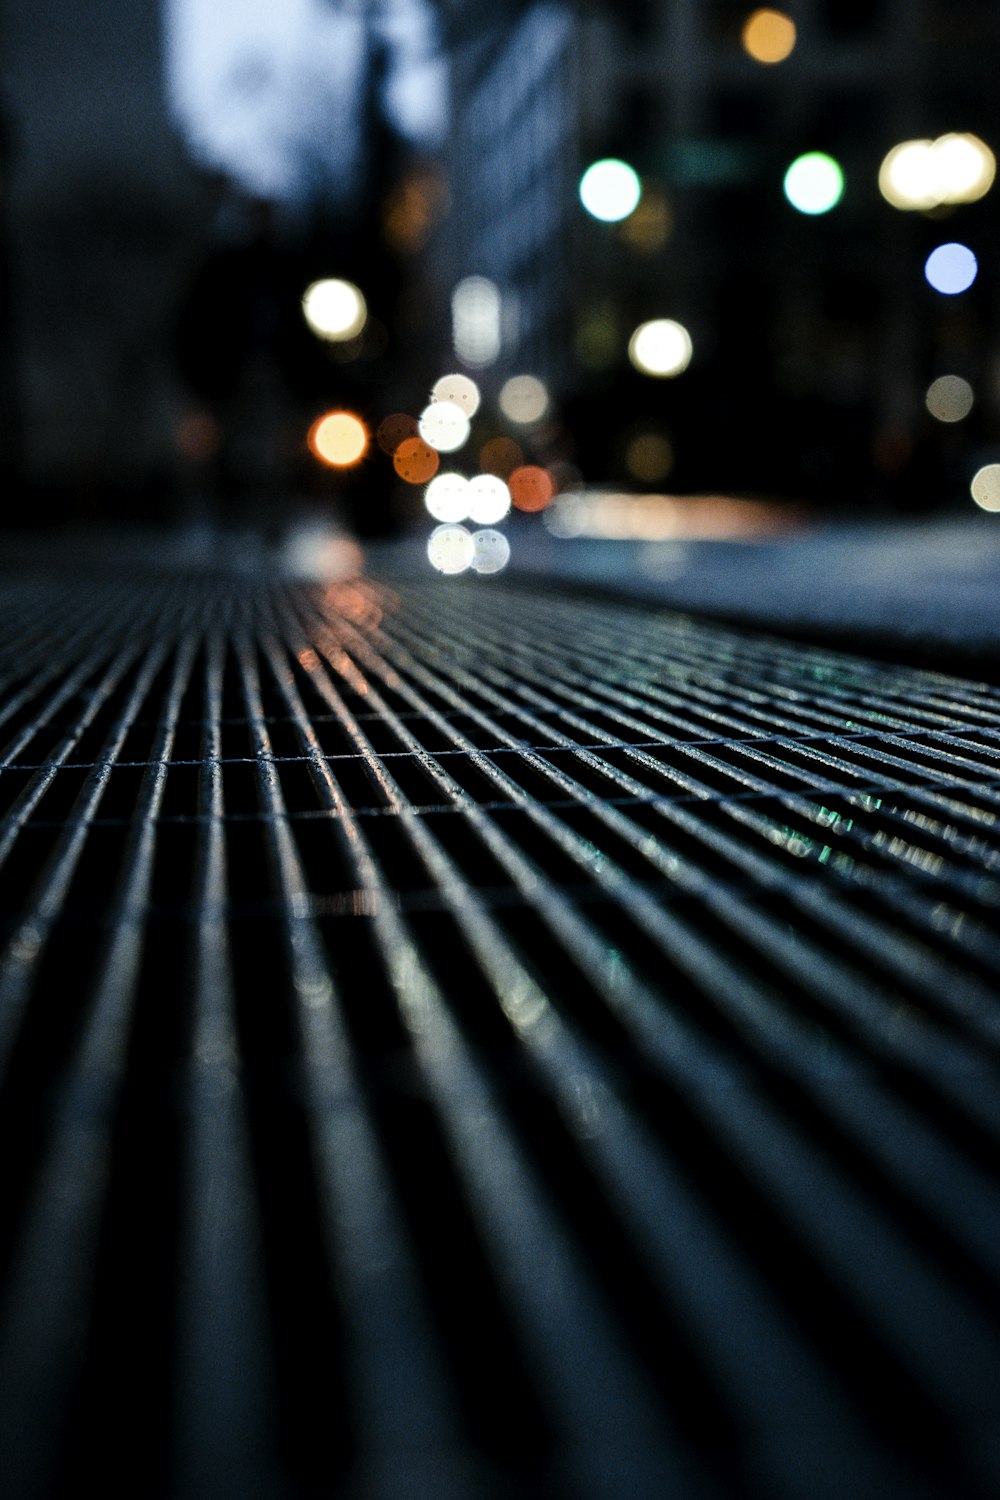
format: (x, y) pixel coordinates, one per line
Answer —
(951, 268)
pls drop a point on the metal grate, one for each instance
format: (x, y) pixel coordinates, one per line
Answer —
(463, 1042)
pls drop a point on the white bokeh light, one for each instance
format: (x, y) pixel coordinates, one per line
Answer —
(907, 178)
(923, 174)
(447, 497)
(610, 190)
(444, 426)
(524, 399)
(986, 487)
(489, 499)
(965, 168)
(460, 390)
(476, 329)
(814, 183)
(334, 309)
(490, 551)
(949, 398)
(450, 549)
(661, 348)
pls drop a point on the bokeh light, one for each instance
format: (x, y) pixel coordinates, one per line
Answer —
(949, 398)
(334, 309)
(769, 36)
(310, 550)
(500, 455)
(661, 518)
(447, 497)
(198, 436)
(413, 207)
(965, 167)
(393, 429)
(524, 399)
(649, 226)
(661, 348)
(814, 183)
(489, 499)
(923, 174)
(610, 190)
(450, 549)
(415, 461)
(649, 457)
(490, 551)
(460, 390)
(531, 487)
(986, 487)
(951, 268)
(907, 178)
(339, 439)
(598, 339)
(475, 321)
(444, 425)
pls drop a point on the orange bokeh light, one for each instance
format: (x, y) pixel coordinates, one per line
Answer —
(416, 461)
(198, 436)
(531, 487)
(500, 456)
(338, 438)
(769, 36)
(413, 208)
(395, 429)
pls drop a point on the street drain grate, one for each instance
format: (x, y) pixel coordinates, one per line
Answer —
(458, 1040)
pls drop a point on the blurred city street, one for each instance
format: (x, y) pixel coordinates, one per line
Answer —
(500, 750)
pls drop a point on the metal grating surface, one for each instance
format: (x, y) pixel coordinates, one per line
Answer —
(458, 1042)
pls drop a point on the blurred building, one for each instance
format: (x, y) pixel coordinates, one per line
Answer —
(815, 336)
(512, 158)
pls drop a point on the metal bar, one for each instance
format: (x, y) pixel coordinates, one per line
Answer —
(224, 1388)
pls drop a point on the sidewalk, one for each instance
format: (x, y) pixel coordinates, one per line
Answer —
(932, 585)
